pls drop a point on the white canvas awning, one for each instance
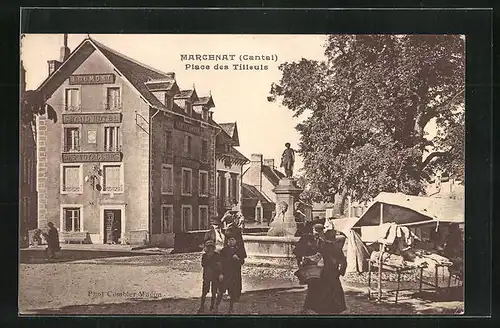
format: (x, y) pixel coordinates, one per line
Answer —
(407, 210)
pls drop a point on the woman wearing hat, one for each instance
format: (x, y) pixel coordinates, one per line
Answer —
(324, 291)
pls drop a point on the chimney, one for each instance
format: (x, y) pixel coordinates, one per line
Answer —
(256, 169)
(53, 66)
(64, 50)
(269, 162)
(256, 159)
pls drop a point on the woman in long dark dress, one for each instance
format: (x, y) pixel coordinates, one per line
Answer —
(325, 294)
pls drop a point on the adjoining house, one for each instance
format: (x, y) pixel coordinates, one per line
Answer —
(131, 158)
(229, 166)
(27, 167)
(259, 180)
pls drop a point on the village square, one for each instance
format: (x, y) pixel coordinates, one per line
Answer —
(136, 198)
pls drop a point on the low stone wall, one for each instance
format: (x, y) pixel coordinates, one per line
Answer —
(191, 241)
(270, 250)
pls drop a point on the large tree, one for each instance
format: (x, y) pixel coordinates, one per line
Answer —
(368, 106)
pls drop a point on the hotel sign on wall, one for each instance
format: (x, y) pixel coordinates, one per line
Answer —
(180, 125)
(91, 157)
(92, 118)
(91, 79)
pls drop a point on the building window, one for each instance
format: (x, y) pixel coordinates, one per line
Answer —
(258, 213)
(204, 150)
(72, 99)
(71, 219)
(187, 181)
(203, 183)
(186, 218)
(112, 138)
(168, 141)
(204, 115)
(203, 217)
(113, 98)
(187, 144)
(112, 178)
(71, 179)
(167, 218)
(71, 139)
(167, 177)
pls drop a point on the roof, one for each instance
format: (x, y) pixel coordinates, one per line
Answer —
(161, 85)
(231, 130)
(205, 101)
(187, 94)
(137, 73)
(406, 210)
(233, 154)
(272, 174)
(251, 196)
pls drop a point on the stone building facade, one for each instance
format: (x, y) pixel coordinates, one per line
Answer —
(131, 158)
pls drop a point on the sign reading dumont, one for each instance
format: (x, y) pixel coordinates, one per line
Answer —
(92, 118)
(91, 157)
(92, 79)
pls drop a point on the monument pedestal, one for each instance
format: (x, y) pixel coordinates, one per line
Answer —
(286, 192)
(276, 248)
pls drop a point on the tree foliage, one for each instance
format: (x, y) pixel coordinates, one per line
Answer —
(369, 104)
(33, 103)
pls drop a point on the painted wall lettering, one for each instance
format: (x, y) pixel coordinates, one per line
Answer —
(91, 79)
(92, 118)
(91, 157)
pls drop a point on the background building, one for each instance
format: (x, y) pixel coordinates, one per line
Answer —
(229, 166)
(259, 180)
(27, 176)
(131, 158)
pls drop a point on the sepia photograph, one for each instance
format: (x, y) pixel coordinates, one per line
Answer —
(242, 174)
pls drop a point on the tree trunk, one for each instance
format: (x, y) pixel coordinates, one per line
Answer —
(340, 201)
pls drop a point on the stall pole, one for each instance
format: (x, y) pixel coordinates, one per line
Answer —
(381, 249)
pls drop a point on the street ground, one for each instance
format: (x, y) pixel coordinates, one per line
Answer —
(137, 283)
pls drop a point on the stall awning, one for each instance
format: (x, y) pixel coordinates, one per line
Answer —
(412, 210)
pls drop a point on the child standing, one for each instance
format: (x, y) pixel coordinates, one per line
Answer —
(231, 260)
(212, 276)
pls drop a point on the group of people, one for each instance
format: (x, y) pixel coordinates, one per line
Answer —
(321, 246)
(224, 254)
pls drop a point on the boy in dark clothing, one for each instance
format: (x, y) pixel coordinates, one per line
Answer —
(212, 276)
(232, 259)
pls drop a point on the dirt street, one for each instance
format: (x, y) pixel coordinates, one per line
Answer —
(164, 284)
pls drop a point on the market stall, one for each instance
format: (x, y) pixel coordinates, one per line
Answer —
(397, 230)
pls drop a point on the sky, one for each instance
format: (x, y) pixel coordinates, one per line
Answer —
(240, 96)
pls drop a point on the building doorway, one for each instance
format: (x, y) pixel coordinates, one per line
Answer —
(112, 226)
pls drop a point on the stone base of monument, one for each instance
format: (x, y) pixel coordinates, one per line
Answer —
(270, 250)
(276, 246)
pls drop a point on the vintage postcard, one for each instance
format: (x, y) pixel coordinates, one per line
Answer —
(242, 174)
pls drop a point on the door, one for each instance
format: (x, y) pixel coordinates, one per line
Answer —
(112, 226)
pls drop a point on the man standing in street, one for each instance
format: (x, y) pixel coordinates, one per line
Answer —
(52, 241)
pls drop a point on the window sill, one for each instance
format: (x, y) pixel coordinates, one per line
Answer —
(105, 192)
(183, 194)
(71, 192)
(170, 193)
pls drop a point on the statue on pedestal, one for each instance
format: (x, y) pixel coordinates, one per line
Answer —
(287, 160)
